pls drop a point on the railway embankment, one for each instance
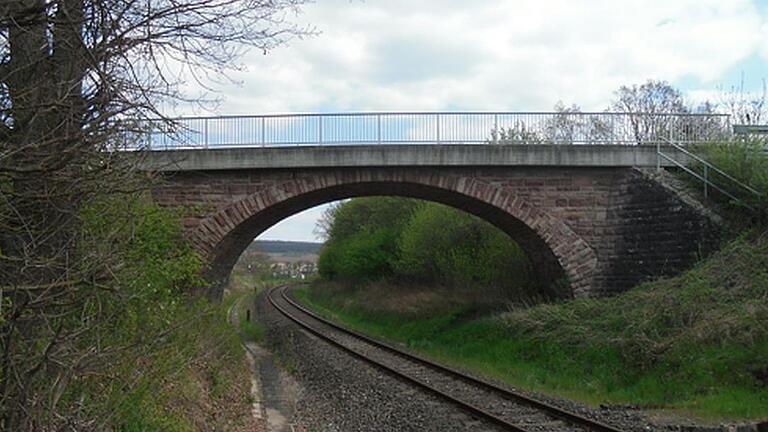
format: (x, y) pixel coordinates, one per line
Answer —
(688, 350)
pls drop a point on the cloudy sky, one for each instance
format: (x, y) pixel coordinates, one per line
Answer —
(510, 55)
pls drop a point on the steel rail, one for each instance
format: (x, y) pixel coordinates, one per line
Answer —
(477, 382)
(472, 408)
(707, 183)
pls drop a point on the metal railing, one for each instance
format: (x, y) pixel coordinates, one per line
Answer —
(708, 171)
(428, 128)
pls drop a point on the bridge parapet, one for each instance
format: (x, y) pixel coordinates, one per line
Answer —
(425, 155)
(441, 128)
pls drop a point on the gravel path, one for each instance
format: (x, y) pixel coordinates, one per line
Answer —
(256, 421)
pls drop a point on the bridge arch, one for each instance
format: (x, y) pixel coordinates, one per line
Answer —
(554, 248)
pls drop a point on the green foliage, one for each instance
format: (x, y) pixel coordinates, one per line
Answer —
(369, 214)
(410, 241)
(149, 238)
(746, 160)
(363, 238)
(250, 330)
(361, 256)
(199, 361)
(160, 337)
(253, 331)
(720, 301)
(452, 248)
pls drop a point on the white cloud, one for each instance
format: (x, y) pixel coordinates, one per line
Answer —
(492, 55)
(407, 55)
(299, 227)
(764, 38)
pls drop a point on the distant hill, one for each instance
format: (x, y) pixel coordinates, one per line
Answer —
(287, 247)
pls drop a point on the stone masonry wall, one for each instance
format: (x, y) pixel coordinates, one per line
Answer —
(605, 228)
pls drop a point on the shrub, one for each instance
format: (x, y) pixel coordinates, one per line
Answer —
(446, 246)
(361, 256)
(408, 241)
(140, 342)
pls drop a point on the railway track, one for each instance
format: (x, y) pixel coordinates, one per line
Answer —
(502, 407)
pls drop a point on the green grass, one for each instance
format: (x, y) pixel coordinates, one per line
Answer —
(199, 368)
(252, 331)
(695, 344)
(249, 330)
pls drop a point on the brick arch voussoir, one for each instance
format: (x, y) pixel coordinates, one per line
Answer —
(574, 254)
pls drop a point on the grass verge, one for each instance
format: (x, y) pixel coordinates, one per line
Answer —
(249, 329)
(196, 381)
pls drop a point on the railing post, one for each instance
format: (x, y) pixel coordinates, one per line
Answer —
(437, 123)
(149, 137)
(496, 126)
(205, 133)
(670, 135)
(263, 132)
(706, 181)
(320, 129)
(658, 155)
(378, 128)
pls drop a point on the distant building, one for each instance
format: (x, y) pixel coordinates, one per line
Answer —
(293, 270)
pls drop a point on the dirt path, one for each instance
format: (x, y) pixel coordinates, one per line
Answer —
(273, 390)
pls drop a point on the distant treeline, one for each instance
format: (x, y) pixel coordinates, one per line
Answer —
(410, 241)
(285, 247)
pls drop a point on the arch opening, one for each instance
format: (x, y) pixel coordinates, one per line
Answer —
(555, 252)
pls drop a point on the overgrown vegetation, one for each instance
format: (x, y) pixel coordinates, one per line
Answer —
(89, 297)
(242, 302)
(406, 241)
(153, 358)
(744, 159)
(696, 344)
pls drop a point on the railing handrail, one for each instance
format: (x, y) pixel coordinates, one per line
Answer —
(711, 167)
(428, 127)
(705, 177)
(432, 113)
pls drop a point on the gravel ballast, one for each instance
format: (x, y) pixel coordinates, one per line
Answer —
(341, 393)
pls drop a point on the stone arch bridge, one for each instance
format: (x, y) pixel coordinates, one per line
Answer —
(586, 214)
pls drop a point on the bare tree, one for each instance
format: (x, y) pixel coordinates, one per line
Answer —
(323, 225)
(649, 106)
(745, 107)
(568, 125)
(76, 76)
(517, 133)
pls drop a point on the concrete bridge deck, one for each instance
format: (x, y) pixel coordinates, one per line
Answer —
(404, 155)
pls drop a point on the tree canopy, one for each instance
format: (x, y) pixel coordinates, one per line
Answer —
(407, 241)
